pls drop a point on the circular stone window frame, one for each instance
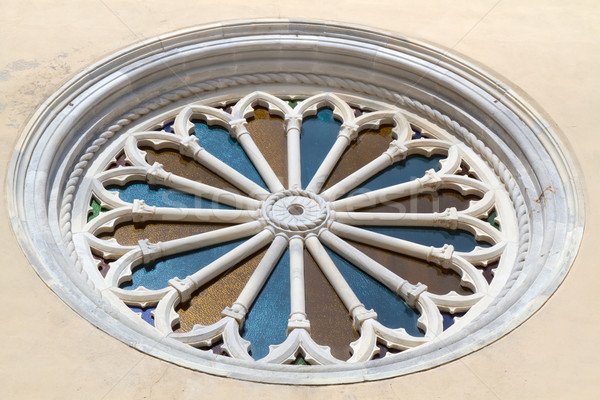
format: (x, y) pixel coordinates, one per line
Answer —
(296, 56)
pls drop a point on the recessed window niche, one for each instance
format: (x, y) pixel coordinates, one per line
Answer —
(295, 202)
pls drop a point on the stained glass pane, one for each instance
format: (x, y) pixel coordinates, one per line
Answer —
(218, 142)
(156, 275)
(208, 302)
(269, 135)
(160, 196)
(368, 145)
(391, 310)
(331, 324)
(437, 237)
(144, 313)
(96, 209)
(266, 322)
(318, 135)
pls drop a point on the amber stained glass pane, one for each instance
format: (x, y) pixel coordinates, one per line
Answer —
(206, 304)
(128, 234)
(183, 166)
(330, 323)
(437, 279)
(368, 145)
(269, 134)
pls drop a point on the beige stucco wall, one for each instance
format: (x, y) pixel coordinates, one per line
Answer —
(550, 51)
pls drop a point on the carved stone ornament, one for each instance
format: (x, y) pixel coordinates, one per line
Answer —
(94, 134)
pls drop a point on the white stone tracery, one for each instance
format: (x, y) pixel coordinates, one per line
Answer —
(297, 219)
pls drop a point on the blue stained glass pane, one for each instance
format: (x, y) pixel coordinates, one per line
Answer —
(318, 135)
(416, 133)
(160, 196)
(168, 127)
(156, 275)
(410, 168)
(448, 319)
(218, 142)
(437, 237)
(146, 313)
(266, 322)
(391, 310)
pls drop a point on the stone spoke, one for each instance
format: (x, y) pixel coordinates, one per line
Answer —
(239, 130)
(430, 182)
(258, 279)
(349, 132)
(298, 318)
(450, 219)
(146, 252)
(356, 309)
(141, 212)
(189, 284)
(444, 256)
(156, 175)
(293, 127)
(187, 145)
(383, 275)
(395, 153)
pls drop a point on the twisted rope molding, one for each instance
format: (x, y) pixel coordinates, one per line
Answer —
(301, 78)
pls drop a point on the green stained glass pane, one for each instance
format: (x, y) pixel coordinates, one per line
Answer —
(491, 219)
(300, 361)
(96, 210)
(293, 103)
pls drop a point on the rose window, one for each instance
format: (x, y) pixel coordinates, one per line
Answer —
(297, 202)
(315, 230)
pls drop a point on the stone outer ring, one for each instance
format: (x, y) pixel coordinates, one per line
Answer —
(51, 147)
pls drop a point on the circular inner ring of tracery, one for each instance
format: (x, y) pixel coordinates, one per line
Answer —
(326, 190)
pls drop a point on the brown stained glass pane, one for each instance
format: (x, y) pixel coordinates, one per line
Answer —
(437, 279)
(270, 137)
(178, 164)
(368, 145)
(128, 234)
(358, 111)
(465, 170)
(330, 323)
(227, 108)
(103, 266)
(206, 304)
(119, 161)
(384, 351)
(489, 270)
(426, 203)
(216, 348)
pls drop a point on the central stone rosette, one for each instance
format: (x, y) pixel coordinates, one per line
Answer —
(295, 211)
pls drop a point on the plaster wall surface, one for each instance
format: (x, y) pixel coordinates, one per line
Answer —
(549, 50)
